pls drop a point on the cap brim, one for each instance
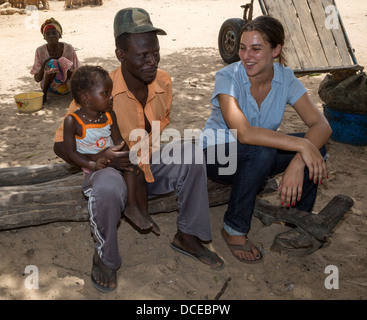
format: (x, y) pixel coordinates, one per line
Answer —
(141, 29)
(144, 29)
(161, 32)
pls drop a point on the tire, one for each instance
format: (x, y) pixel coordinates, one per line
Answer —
(229, 39)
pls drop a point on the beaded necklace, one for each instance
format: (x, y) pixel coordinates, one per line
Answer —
(86, 117)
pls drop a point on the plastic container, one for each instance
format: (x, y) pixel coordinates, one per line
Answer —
(350, 128)
(29, 101)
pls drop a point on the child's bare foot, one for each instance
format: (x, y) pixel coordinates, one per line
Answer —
(155, 227)
(137, 218)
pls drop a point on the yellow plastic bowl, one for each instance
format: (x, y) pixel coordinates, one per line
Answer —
(29, 101)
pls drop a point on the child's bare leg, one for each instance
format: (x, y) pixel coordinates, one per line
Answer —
(132, 211)
(142, 200)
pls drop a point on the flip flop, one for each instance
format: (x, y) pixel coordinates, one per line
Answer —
(207, 254)
(243, 247)
(100, 287)
(107, 275)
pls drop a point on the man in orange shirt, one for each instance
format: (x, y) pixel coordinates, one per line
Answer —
(142, 96)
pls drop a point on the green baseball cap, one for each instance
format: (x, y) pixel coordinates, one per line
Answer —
(133, 20)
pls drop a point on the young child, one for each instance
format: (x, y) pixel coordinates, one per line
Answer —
(93, 128)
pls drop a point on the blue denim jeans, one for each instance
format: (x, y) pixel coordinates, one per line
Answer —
(254, 166)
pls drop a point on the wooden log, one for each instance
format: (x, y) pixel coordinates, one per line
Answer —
(44, 197)
(16, 176)
(298, 242)
(58, 200)
(317, 225)
(63, 200)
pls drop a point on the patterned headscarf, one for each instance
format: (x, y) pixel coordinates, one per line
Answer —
(51, 23)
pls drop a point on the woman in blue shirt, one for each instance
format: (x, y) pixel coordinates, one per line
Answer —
(248, 105)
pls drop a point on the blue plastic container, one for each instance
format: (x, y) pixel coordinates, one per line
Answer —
(350, 128)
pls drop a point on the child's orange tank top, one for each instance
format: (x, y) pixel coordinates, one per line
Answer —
(96, 136)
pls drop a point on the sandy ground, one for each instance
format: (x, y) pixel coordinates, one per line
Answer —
(62, 252)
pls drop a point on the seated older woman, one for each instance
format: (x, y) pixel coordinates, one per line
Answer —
(54, 61)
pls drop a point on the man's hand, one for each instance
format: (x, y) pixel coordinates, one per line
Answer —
(118, 159)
